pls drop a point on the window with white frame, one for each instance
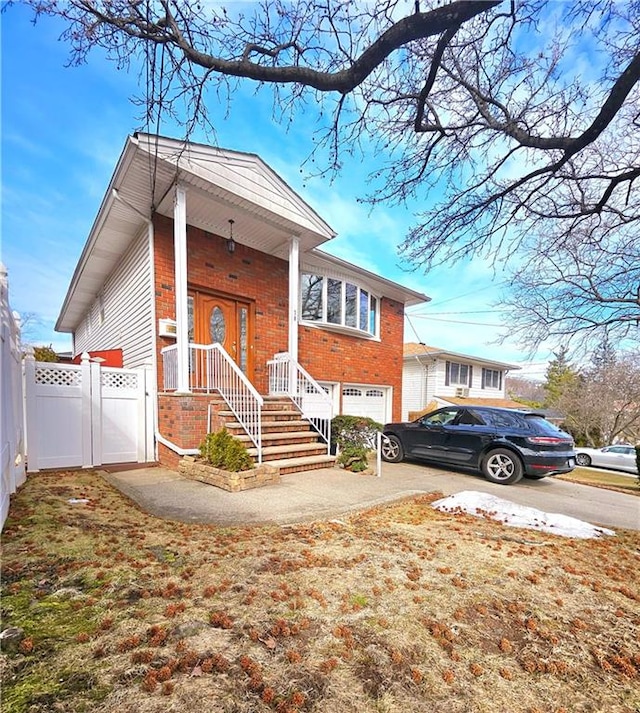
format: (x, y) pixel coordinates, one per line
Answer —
(491, 379)
(330, 301)
(458, 374)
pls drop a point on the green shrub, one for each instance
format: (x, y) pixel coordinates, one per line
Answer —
(224, 451)
(356, 430)
(353, 437)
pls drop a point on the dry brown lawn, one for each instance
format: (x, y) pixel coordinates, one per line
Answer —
(397, 609)
(607, 479)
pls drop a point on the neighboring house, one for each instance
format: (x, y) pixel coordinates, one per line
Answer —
(433, 377)
(203, 265)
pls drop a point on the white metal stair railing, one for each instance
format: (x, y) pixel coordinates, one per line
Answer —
(288, 378)
(211, 369)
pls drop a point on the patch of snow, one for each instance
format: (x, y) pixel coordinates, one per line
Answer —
(495, 508)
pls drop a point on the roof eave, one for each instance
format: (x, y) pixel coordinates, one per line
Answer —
(390, 289)
(126, 156)
(467, 357)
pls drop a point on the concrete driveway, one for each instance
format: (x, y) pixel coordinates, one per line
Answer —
(584, 502)
(329, 493)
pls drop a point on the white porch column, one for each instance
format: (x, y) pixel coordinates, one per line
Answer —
(294, 289)
(182, 313)
(294, 296)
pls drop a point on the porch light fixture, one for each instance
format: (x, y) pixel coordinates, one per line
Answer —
(231, 243)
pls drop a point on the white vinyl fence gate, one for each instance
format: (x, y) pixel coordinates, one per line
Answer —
(85, 415)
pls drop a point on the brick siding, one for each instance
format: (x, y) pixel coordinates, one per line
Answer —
(263, 279)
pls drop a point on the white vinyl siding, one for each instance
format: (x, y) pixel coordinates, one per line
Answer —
(245, 176)
(414, 388)
(121, 316)
(425, 381)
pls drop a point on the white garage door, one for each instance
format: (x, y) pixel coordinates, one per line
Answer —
(365, 401)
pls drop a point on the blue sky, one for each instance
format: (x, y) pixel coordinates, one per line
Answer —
(63, 129)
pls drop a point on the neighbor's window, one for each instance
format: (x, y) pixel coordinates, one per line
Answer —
(458, 374)
(335, 302)
(491, 379)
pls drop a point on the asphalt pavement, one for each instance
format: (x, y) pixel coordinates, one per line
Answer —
(331, 492)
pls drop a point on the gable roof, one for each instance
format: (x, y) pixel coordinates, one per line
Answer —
(237, 180)
(413, 350)
(220, 185)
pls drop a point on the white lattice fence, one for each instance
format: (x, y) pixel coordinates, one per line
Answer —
(11, 422)
(84, 415)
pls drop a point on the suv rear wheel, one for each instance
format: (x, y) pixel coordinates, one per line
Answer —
(502, 466)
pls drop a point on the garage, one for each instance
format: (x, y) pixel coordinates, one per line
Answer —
(369, 401)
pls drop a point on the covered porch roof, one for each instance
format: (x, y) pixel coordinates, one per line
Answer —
(220, 185)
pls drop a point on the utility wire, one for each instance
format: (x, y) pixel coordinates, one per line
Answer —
(472, 311)
(473, 292)
(458, 321)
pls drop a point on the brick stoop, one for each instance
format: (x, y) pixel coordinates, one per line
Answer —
(289, 442)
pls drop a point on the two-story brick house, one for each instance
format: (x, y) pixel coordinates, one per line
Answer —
(203, 265)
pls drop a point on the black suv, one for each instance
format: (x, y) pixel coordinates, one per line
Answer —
(504, 444)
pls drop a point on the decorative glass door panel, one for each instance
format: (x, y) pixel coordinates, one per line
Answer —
(217, 325)
(224, 320)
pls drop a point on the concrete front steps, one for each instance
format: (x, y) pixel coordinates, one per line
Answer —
(289, 442)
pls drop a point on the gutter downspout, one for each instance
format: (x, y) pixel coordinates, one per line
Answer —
(423, 385)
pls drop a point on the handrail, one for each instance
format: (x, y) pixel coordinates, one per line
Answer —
(212, 369)
(287, 377)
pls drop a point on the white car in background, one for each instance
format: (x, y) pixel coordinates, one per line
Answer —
(615, 457)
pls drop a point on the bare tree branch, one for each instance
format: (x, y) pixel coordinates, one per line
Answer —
(522, 118)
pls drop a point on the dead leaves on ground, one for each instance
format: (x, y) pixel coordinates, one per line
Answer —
(399, 608)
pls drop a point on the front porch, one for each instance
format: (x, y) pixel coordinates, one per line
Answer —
(288, 428)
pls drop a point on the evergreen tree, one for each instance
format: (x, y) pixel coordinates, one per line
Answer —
(561, 377)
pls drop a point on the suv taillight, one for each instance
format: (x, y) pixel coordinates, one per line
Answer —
(548, 440)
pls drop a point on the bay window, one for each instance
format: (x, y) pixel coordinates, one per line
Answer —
(330, 301)
(311, 307)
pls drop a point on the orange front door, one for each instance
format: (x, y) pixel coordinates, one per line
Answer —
(225, 320)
